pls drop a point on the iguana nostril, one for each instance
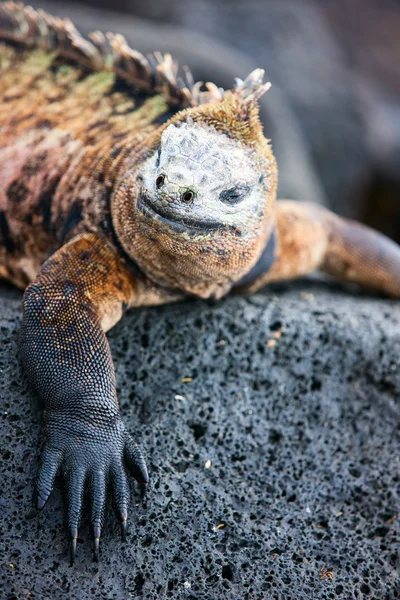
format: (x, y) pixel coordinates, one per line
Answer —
(160, 180)
(187, 196)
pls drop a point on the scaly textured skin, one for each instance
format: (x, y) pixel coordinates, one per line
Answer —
(66, 311)
(122, 185)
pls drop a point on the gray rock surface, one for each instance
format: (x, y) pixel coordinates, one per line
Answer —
(293, 407)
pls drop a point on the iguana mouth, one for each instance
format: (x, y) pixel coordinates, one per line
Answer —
(176, 221)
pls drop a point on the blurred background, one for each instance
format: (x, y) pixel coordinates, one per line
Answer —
(334, 110)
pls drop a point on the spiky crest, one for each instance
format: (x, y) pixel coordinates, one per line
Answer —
(154, 73)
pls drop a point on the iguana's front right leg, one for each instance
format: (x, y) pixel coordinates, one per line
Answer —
(310, 237)
(80, 292)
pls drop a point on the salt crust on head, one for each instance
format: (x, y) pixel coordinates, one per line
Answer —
(197, 154)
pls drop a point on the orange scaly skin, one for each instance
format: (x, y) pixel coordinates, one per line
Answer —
(98, 215)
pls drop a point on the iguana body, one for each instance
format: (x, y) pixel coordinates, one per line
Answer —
(121, 186)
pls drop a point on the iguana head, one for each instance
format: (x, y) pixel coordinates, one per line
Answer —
(202, 200)
(200, 181)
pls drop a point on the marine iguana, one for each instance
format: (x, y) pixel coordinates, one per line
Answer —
(125, 184)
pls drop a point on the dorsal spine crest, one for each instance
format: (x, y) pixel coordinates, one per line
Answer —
(152, 74)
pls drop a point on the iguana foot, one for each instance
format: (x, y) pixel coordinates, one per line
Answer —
(90, 457)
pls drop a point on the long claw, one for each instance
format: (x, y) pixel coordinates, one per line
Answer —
(75, 485)
(73, 551)
(48, 469)
(96, 548)
(136, 462)
(120, 490)
(124, 527)
(96, 543)
(143, 490)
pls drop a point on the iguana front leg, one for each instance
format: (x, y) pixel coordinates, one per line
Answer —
(80, 292)
(311, 237)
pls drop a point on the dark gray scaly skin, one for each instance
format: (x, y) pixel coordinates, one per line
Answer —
(67, 359)
(126, 187)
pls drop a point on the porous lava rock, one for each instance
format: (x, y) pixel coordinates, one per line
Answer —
(271, 429)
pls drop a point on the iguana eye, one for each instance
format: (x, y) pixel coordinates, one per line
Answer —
(160, 180)
(234, 195)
